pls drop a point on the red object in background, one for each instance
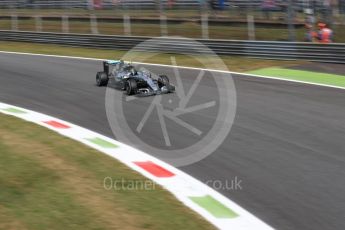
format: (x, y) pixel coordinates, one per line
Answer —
(325, 35)
(171, 3)
(97, 4)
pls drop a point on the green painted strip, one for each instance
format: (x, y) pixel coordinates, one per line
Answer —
(301, 75)
(102, 143)
(214, 207)
(14, 110)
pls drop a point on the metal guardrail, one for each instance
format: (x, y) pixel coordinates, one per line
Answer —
(332, 53)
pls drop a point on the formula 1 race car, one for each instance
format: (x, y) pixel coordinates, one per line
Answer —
(124, 76)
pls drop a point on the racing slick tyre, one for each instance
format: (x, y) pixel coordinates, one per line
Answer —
(164, 84)
(163, 80)
(131, 86)
(101, 79)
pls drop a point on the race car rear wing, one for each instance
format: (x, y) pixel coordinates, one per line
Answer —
(113, 62)
(108, 63)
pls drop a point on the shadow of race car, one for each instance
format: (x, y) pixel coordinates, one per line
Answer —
(124, 76)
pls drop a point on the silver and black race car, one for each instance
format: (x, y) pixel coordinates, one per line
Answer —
(124, 76)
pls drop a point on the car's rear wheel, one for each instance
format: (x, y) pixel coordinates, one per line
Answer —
(101, 79)
(131, 86)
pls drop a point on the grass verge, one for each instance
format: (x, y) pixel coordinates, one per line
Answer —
(233, 63)
(51, 182)
(301, 75)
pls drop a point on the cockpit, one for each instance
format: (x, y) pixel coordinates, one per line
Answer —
(130, 69)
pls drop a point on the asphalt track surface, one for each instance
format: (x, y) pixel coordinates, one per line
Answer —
(286, 145)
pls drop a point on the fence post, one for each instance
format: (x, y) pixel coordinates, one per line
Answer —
(127, 24)
(291, 26)
(163, 25)
(65, 24)
(38, 23)
(93, 24)
(251, 27)
(204, 26)
(14, 22)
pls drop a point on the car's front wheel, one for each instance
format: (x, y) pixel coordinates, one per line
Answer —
(163, 81)
(164, 84)
(131, 86)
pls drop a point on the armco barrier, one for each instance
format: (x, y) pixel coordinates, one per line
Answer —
(332, 53)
